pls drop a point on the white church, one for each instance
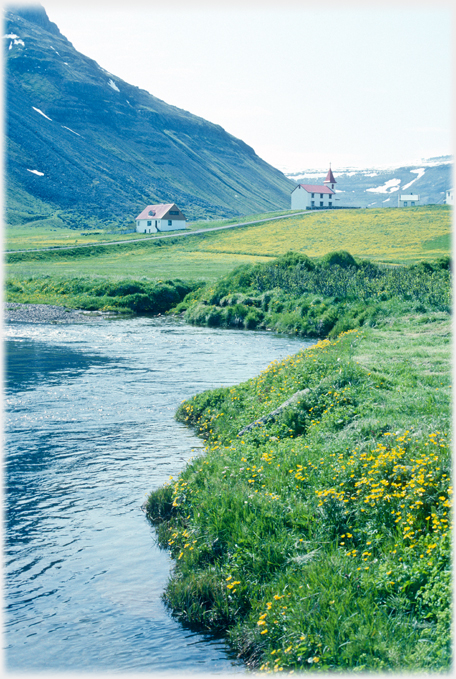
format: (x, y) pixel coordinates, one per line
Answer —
(314, 196)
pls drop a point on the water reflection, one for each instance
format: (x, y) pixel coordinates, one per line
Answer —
(28, 362)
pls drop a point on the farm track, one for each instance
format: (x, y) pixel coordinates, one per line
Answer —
(169, 235)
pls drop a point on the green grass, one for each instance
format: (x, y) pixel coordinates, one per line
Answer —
(382, 235)
(51, 231)
(123, 296)
(317, 298)
(320, 539)
(135, 263)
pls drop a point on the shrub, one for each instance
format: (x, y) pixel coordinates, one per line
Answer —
(340, 258)
(253, 319)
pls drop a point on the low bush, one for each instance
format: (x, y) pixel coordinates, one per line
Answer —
(320, 298)
(126, 296)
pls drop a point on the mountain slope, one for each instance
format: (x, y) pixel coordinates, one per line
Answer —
(82, 141)
(380, 187)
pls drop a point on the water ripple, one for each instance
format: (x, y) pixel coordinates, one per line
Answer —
(90, 430)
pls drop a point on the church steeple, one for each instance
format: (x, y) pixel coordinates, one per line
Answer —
(330, 178)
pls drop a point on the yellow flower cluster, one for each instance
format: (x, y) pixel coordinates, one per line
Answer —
(412, 487)
(232, 585)
(376, 233)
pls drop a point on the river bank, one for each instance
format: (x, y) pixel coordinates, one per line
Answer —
(320, 538)
(48, 313)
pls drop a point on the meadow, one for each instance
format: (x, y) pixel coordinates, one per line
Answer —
(319, 539)
(387, 235)
(52, 232)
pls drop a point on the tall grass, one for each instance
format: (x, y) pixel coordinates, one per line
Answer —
(124, 296)
(319, 539)
(318, 298)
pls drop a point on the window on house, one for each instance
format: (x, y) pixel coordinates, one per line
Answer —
(149, 223)
(321, 203)
(170, 222)
(412, 203)
(313, 195)
(330, 204)
(313, 203)
(405, 204)
(174, 212)
(321, 195)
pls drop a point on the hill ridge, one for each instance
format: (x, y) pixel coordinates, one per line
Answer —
(84, 142)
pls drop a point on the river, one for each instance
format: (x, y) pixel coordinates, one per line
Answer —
(89, 432)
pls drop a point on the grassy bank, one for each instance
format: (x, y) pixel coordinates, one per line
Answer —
(319, 538)
(317, 298)
(124, 296)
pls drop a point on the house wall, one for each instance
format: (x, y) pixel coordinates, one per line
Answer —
(302, 200)
(150, 225)
(449, 200)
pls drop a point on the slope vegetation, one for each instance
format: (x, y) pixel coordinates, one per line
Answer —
(84, 142)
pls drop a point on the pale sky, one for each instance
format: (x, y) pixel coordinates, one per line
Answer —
(303, 83)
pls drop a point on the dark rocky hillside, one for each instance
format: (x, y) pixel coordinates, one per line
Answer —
(85, 145)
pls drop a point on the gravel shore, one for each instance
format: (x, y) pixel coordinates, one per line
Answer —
(46, 313)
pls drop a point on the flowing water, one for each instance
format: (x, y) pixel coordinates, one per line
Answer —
(89, 432)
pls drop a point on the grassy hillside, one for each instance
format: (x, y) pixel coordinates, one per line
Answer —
(81, 140)
(318, 539)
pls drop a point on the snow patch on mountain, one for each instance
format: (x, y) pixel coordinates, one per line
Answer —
(420, 171)
(69, 128)
(390, 186)
(15, 40)
(112, 84)
(41, 113)
(40, 174)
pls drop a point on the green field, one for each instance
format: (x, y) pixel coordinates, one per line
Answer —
(318, 539)
(52, 233)
(389, 235)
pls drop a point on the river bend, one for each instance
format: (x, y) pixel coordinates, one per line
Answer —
(89, 432)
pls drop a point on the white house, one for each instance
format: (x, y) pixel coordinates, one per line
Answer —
(162, 217)
(449, 200)
(408, 199)
(314, 196)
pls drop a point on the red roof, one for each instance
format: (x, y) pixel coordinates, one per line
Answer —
(330, 177)
(156, 211)
(316, 188)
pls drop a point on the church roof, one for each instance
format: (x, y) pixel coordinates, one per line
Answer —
(316, 188)
(330, 178)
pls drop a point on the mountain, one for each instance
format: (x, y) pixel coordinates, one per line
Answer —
(377, 187)
(84, 143)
